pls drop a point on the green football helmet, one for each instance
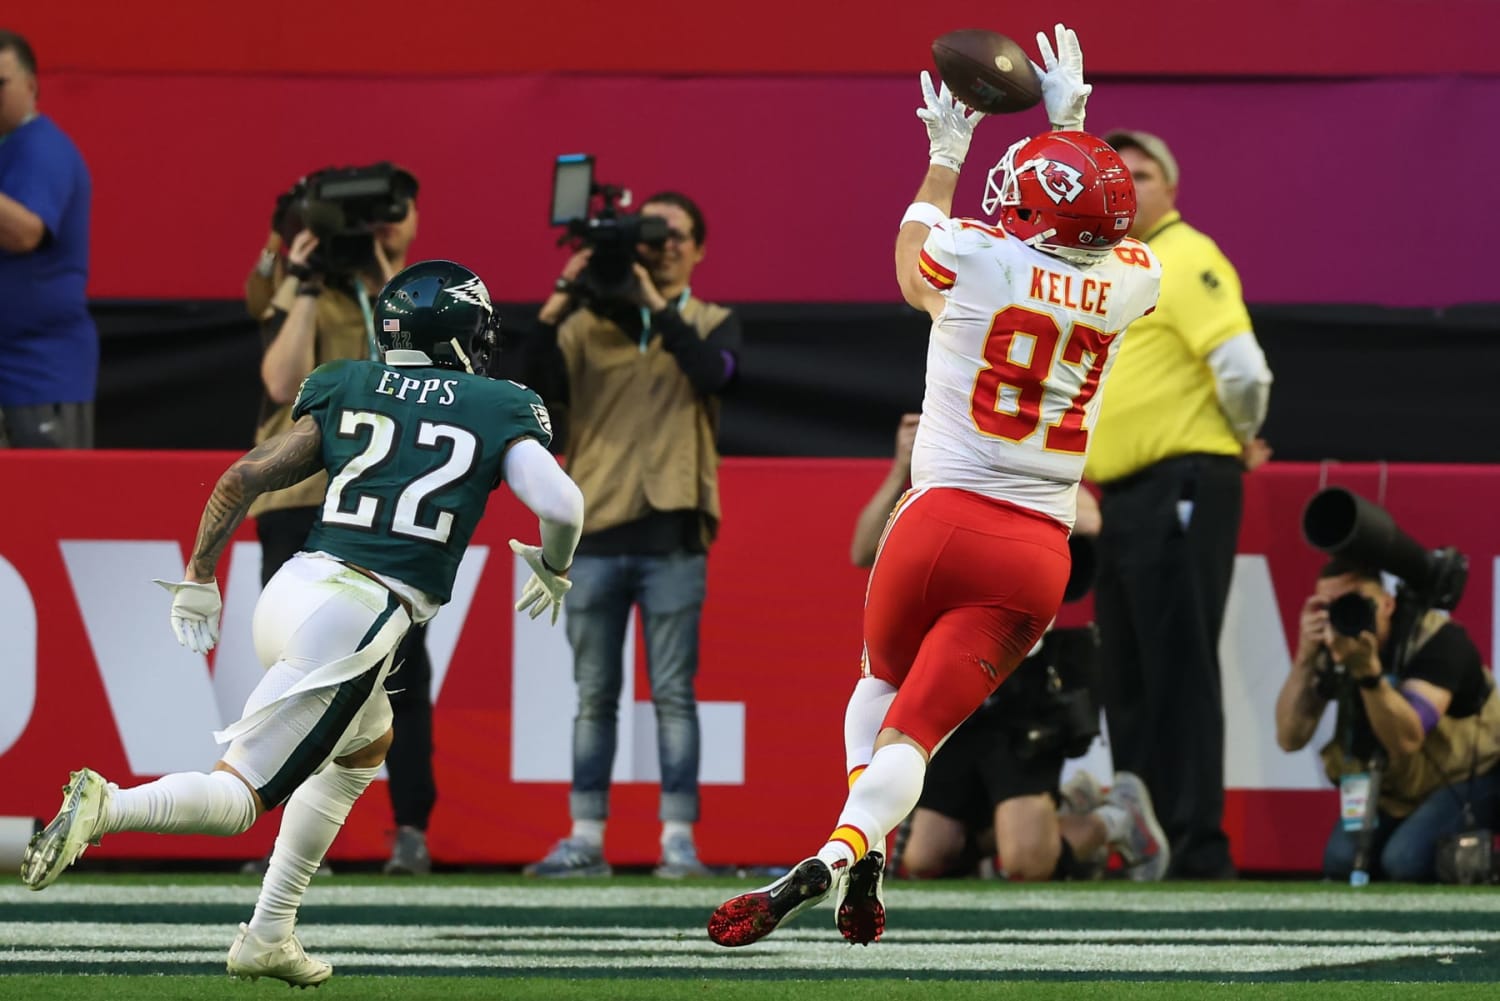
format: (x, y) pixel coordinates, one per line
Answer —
(441, 309)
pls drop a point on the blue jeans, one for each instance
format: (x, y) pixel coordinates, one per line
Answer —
(669, 591)
(1403, 850)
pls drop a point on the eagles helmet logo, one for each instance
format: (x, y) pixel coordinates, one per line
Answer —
(473, 292)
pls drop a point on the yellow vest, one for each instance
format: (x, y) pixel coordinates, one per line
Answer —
(1160, 399)
(640, 437)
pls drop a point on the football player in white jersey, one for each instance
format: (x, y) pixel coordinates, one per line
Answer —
(972, 566)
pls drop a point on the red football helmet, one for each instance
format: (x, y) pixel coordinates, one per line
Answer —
(1067, 193)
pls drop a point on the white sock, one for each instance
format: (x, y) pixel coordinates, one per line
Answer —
(312, 819)
(880, 800)
(863, 718)
(675, 829)
(1117, 823)
(588, 831)
(183, 803)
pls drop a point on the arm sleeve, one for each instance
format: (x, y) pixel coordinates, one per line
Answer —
(708, 362)
(1243, 383)
(937, 262)
(539, 482)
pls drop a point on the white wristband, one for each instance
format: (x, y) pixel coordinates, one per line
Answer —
(925, 213)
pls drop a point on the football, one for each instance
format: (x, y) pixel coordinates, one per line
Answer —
(986, 71)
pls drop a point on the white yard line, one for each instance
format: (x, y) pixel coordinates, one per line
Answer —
(897, 898)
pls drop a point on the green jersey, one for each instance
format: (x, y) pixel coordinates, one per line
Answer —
(412, 455)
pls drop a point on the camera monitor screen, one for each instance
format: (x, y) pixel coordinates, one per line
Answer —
(572, 184)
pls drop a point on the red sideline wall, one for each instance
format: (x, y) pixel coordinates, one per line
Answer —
(93, 676)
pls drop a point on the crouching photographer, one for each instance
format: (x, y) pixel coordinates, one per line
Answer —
(993, 787)
(1417, 735)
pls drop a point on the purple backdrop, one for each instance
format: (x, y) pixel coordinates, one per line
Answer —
(1319, 191)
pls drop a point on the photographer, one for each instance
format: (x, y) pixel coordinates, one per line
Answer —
(993, 786)
(314, 306)
(1428, 721)
(641, 363)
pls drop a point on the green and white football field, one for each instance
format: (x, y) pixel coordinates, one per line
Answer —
(164, 937)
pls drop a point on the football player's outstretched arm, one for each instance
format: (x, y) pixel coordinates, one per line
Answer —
(279, 462)
(950, 127)
(539, 483)
(935, 193)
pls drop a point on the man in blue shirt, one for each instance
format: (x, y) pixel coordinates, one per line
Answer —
(49, 349)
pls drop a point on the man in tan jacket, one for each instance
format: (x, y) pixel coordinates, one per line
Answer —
(642, 376)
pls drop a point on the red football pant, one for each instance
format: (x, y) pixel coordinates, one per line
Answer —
(962, 588)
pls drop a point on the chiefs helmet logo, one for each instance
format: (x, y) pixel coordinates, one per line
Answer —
(1060, 182)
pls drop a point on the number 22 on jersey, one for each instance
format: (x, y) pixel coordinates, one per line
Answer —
(1019, 352)
(404, 517)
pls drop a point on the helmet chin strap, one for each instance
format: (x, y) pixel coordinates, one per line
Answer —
(459, 351)
(1037, 240)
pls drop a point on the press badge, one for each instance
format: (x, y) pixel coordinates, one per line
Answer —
(1354, 798)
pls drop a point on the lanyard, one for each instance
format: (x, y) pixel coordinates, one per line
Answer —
(368, 314)
(646, 317)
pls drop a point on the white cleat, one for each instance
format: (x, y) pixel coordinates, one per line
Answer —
(1081, 794)
(251, 959)
(77, 825)
(1145, 852)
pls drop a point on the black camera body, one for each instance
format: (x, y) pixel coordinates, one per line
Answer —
(342, 206)
(1343, 524)
(1048, 705)
(591, 217)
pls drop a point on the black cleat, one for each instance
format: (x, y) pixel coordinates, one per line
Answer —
(860, 913)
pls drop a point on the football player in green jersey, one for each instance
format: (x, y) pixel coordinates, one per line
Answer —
(413, 446)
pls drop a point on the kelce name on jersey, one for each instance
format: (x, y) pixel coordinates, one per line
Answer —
(397, 385)
(1059, 290)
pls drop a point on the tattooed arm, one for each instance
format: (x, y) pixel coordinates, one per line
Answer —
(288, 458)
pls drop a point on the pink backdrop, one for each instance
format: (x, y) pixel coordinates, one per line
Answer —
(1335, 191)
(1273, 37)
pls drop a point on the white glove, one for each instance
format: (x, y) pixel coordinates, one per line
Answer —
(950, 125)
(195, 613)
(1063, 91)
(545, 589)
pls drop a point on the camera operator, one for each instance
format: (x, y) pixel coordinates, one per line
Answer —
(313, 303)
(642, 368)
(1429, 720)
(993, 786)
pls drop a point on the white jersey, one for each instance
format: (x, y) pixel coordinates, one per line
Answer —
(1017, 360)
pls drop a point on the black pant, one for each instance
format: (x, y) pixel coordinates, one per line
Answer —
(47, 425)
(1166, 555)
(409, 761)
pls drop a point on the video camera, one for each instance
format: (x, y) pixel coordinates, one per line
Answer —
(1048, 703)
(612, 236)
(342, 206)
(1344, 524)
